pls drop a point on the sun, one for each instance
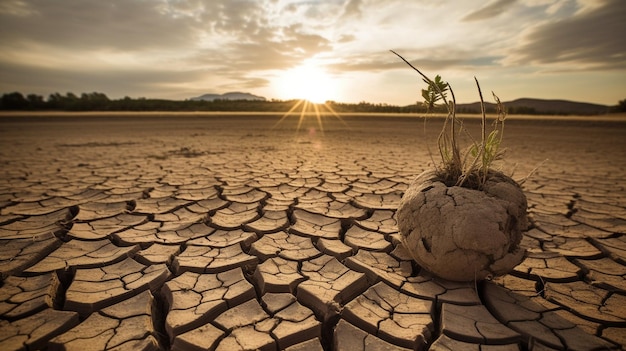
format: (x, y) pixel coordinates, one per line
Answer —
(307, 82)
(312, 87)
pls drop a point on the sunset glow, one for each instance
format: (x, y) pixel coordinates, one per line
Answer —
(307, 82)
(314, 50)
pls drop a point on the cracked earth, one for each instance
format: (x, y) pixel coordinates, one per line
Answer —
(221, 233)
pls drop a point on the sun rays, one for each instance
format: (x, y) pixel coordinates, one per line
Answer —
(312, 87)
(310, 109)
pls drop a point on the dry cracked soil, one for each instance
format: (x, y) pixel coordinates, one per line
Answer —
(185, 232)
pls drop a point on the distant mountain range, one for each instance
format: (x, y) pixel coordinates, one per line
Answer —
(540, 106)
(235, 95)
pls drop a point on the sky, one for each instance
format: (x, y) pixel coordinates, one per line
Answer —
(321, 50)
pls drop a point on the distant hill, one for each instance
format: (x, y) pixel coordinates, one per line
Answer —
(228, 96)
(540, 106)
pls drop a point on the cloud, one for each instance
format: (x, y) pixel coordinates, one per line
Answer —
(346, 38)
(489, 11)
(591, 39)
(245, 83)
(115, 81)
(118, 25)
(223, 38)
(352, 8)
(261, 52)
(168, 47)
(133, 26)
(434, 59)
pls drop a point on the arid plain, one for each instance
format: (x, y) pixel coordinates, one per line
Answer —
(243, 232)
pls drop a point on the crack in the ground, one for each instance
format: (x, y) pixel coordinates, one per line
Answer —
(159, 316)
(304, 177)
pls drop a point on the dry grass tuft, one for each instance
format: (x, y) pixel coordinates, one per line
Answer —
(472, 167)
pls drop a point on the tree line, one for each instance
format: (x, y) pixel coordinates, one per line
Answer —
(100, 102)
(96, 101)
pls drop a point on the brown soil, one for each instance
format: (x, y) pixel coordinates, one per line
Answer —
(188, 231)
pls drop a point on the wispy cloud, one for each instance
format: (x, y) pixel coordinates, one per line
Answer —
(352, 8)
(590, 39)
(491, 10)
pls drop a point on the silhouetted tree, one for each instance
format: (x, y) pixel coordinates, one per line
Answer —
(14, 101)
(35, 102)
(94, 101)
(621, 106)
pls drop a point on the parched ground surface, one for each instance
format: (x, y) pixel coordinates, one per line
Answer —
(221, 233)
